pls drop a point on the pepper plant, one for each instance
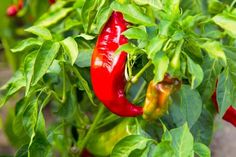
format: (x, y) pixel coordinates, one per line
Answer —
(173, 54)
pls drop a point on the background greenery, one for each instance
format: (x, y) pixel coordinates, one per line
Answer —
(49, 50)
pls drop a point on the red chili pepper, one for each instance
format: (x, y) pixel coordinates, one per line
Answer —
(230, 114)
(107, 68)
(12, 10)
(86, 153)
(51, 2)
(20, 4)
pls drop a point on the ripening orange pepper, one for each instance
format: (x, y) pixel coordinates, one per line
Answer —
(157, 97)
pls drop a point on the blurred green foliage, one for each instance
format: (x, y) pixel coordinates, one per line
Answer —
(12, 28)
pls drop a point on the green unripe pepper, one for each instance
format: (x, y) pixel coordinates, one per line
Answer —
(175, 61)
(101, 144)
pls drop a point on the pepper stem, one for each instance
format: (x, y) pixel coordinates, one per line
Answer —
(136, 77)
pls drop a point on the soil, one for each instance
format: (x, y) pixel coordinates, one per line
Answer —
(223, 144)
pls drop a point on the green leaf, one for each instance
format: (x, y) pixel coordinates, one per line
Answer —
(68, 108)
(227, 22)
(164, 149)
(40, 31)
(9, 130)
(212, 69)
(215, 50)
(29, 69)
(165, 28)
(70, 24)
(22, 151)
(26, 45)
(166, 136)
(136, 33)
(84, 58)
(231, 60)
(12, 86)
(202, 130)
(55, 67)
(39, 148)
(157, 4)
(40, 145)
(182, 141)
(102, 17)
(71, 48)
(193, 48)
(141, 153)
(128, 144)
(225, 92)
(195, 6)
(83, 84)
(45, 57)
(133, 14)
(40, 128)
(30, 117)
(128, 48)
(51, 18)
(85, 36)
(231, 72)
(201, 150)
(215, 6)
(196, 72)
(154, 46)
(161, 62)
(89, 12)
(18, 119)
(172, 7)
(178, 35)
(186, 107)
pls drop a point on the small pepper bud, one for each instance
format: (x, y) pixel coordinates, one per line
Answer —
(12, 10)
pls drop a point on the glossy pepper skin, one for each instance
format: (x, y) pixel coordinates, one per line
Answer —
(107, 68)
(101, 144)
(230, 114)
(12, 10)
(51, 2)
(157, 97)
(20, 4)
(86, 153)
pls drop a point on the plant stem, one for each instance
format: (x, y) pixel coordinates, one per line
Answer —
(92, 128)
(232, 4)
(129, 67)
(63, 84)
(136, 77)
(108, 120)
(139, 92)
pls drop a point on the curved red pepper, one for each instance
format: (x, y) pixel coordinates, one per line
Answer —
(107, 68)
(230, 114)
